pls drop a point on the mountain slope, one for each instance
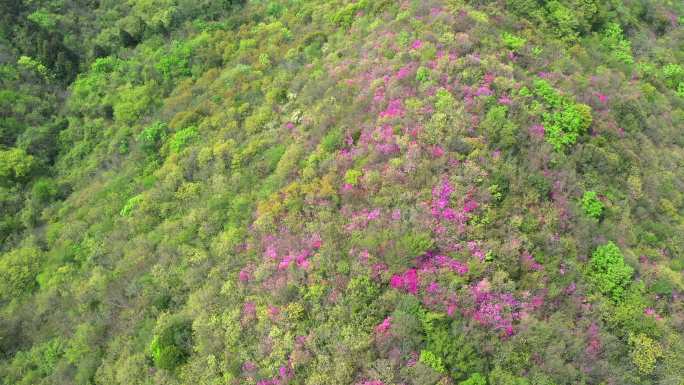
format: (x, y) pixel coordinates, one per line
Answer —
(337, 192)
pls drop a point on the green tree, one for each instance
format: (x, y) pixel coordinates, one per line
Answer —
(18, 271)
(15, 164)
(592, 206)
(610, 273)
(172, 342)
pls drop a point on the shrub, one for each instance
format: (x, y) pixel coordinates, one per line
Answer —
(130, 205)
(475, 379)
(44, 190)
(15, 164)
(422, 75)
(673, 74)
(513, 42)
(500, 130)
(133, 102)
(345, 16)
(332, 140)
(175, 61)
(33, 65)
(352, 177)
(18, 271)
(565, 121)
(618, 45)
(182, 138)
(152, 136)
(430, 359)
(592, 206)
(444, 101)
(610, 273)
(416, 243)
(171, 345)
(645, 353)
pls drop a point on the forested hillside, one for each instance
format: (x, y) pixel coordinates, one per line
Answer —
(318, 192)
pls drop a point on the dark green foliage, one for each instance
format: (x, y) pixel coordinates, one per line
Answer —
(332, 140)
(152, 137)
(499, 128)
(172, 342)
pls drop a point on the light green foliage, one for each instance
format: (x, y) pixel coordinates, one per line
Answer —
(566, 120)
(403, 38)
(673, 75)
(133, 102)
(345, 16)
(258, 120)
(151, 187)
(564, 20)
(175, 62)
(645, 352)
(430, 359)
(130, 205)
(544, 90)
(18, 271)
(474, 379)
(422, 74)
(352, 177)
(444, 100)
(620, 47)
(34, 65)
(159, 15)
(524, 91)
(501, 376)
(264, 60)
(361, 294)
(512, 41)
(103, 65)
(592, 206)
(15, 164)
(45, 19)
(182, 138)
(610, 273)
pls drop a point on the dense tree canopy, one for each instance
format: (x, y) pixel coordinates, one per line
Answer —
(342, 192)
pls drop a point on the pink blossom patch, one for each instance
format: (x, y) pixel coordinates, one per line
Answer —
(384, 326)
(394, 109)
(244, 276)
(537, 131)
